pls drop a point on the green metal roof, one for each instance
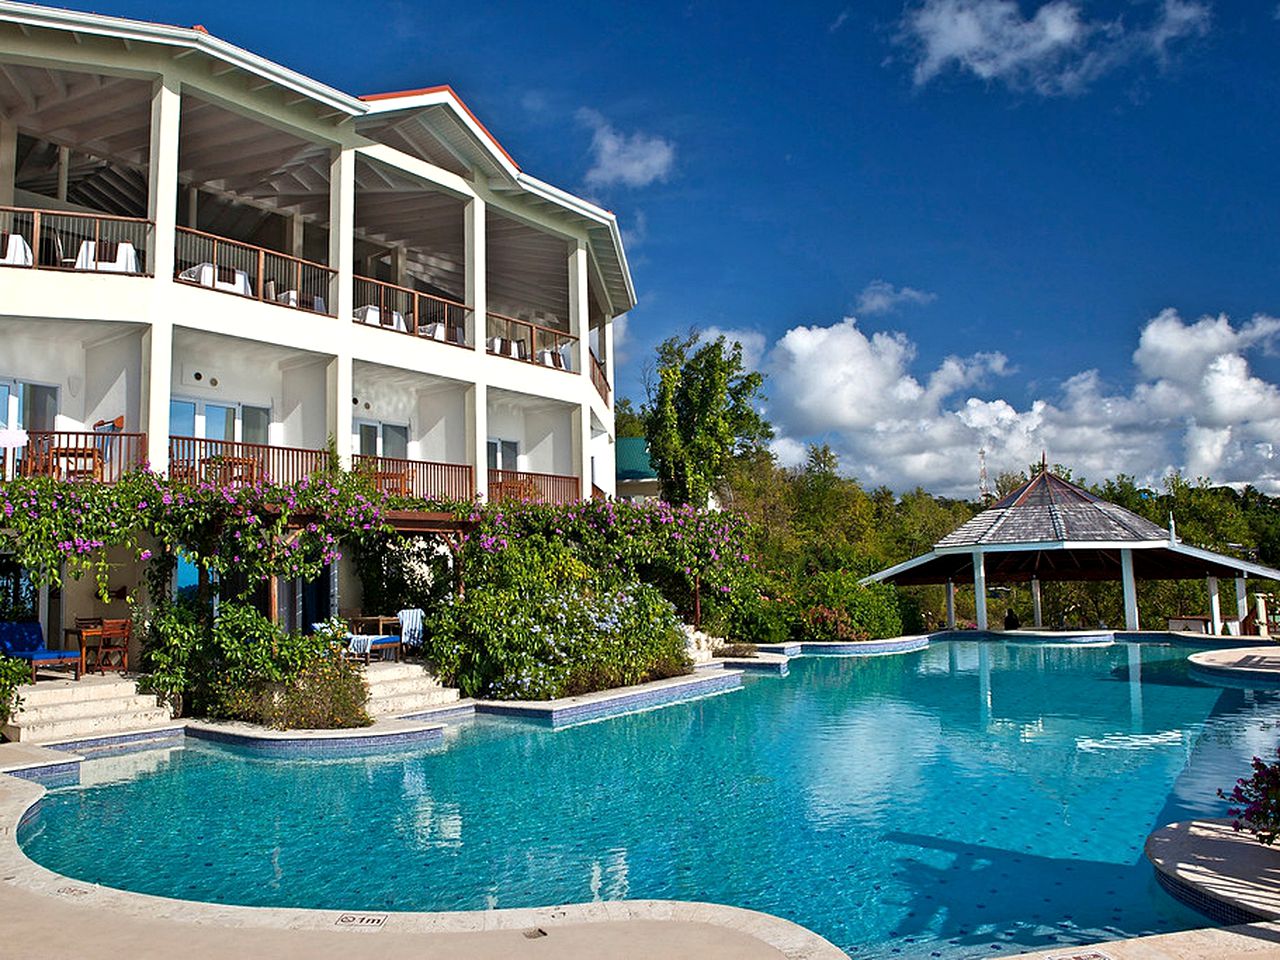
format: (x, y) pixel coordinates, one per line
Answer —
(632, 459)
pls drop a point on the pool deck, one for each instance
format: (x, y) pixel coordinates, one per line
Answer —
(1242, 666)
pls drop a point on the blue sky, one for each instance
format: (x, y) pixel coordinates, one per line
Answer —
(929, 220)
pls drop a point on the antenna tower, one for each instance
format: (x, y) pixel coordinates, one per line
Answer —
(984, 481)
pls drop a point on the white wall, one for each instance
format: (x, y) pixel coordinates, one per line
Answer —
(304, 400)
(113, 380)
(442, 425)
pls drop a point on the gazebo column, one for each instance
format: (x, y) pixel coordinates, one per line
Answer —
(1037, 611)
(1130, 590)
(1242, 601)
(1215, 606)
(980, 589)
(951, 605)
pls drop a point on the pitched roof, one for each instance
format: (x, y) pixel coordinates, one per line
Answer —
(1049, 509)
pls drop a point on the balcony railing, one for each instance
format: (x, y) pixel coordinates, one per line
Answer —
(234, 464)
(411, 312)
(90, 242)
(77, 455)
(506, 486)
(599, 377)
(530, 342)
(419, 478)
(207, 260)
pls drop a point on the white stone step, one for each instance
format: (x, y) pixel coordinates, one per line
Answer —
(410, 702)
(390, 688)
(71, 709)
(99, 725)
(382, 672)
(89, 688)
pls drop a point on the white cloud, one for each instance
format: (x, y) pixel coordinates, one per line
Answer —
(753, 342)
(1195, 405)
(1054, 51)
(880, 296)
(841, 18)
(630, 160)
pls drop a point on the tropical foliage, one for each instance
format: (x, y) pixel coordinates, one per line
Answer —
(1256, 801)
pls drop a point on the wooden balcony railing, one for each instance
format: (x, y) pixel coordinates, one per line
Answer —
(411, 312)
(207, 260)
(77, 455)
(511, 485)
(597, 493)
(530, 342)
(419, 478)
(89, 242)
(234, 464)
(599, 377)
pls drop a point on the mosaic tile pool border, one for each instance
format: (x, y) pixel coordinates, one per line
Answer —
(558, 713)
(312, 746)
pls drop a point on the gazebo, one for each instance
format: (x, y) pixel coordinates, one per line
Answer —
(1051, 529)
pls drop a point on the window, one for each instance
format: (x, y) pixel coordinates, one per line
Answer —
(28, 406)
(376, 439)
(19, 598)
(219, 421)
(503, 454)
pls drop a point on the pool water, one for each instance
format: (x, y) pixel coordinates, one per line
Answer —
(966, 800)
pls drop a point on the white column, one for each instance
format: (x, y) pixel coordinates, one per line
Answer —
(64, 172)
(473, 222)
(1130, 590)
(951, 605)
(296, 227)
(157, 381)
(398, 257)
(579, 304)
(1242, 600)
(582, 439)
(1215, 606)
(1261, 602)
(339, 389)
(8, 160)
(1037, 609)
(980, 589)
(606, 344)
(342, 215)
(162, 179)
(478, 435)
(193, 207)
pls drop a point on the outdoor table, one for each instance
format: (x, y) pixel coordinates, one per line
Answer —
(122, 257)
(14, 250)
(219, 278)
(82, 637)
(376, 625)
(228, 469)
(372, 314)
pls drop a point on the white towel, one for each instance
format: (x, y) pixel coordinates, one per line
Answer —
(411, 627)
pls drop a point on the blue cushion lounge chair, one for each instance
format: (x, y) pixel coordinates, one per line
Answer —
(23, 640)
(362, 645)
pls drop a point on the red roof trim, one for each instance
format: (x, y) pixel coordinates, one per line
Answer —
(444, 88)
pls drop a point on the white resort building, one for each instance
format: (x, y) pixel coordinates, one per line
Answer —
(216, 266)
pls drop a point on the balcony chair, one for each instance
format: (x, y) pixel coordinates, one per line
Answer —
(24, 641)
(114, 642)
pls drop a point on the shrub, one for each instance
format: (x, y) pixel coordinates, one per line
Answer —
(169, 642)
(836, 608)
(548, 640)
(327, 693)
(763, 620)
(1257, 801)
(735, 650)
(13, 674)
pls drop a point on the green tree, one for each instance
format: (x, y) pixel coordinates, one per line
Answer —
(627, 420)
(702, 415)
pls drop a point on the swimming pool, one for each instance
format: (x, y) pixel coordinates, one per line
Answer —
(969, 799)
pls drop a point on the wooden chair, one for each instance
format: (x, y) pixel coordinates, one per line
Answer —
(115, 642)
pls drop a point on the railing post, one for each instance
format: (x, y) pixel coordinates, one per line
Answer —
(262, 265)
(35, 239)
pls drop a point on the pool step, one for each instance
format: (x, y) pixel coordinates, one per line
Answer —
(399, 688)
(95, 706)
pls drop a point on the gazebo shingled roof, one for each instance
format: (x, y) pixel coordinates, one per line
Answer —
(1051, 529)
